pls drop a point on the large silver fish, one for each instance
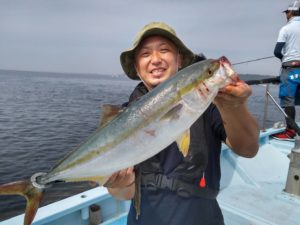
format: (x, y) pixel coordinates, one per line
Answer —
(136, 133)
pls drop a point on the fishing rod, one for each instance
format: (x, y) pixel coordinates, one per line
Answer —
(274, 80)
(271, 80)
(200, 56)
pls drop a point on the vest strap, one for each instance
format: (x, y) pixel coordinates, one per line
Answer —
(152, 182)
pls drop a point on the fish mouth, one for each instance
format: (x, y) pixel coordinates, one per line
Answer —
(227, 66)
(224, 60)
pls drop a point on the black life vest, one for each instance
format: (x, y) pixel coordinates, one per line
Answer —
(186, 177)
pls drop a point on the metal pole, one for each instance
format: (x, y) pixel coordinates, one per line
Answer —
(266, 108)
(278, 106)
(292, 185)
(95, 215)
(290, 122)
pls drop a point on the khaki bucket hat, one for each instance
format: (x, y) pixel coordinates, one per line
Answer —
(154, 28)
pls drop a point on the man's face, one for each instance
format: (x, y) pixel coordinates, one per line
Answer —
(156, 60)
(289, 15)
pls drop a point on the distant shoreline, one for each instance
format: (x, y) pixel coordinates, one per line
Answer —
(24, 72)
(108, 76)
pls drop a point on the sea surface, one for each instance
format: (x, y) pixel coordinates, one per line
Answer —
(43, 116)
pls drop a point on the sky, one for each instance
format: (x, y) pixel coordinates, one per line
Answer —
(87, 36)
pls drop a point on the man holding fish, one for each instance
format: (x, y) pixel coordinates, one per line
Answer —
(179, 185)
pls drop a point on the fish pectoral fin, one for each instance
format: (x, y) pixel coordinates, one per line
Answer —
(183, 143)
(32, 194)
(174, 113)
(108, 113)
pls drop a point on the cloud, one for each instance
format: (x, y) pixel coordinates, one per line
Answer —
(88, 36)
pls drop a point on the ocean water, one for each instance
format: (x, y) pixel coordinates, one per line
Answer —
(43, 116)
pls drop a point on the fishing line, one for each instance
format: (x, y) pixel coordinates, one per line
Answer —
(274, 80)
(253, 60)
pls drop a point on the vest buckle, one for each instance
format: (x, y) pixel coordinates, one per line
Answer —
(164, 182)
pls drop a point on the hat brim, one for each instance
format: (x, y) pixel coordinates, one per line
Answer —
(127, 57)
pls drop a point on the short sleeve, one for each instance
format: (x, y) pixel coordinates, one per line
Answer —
(282, 37)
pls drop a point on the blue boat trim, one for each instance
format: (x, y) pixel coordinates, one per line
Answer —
(74, 210)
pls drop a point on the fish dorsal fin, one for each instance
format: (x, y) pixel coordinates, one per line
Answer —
(174, 113)
(183, 143)
(108, 113)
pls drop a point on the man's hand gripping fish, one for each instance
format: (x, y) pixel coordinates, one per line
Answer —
(136, 133)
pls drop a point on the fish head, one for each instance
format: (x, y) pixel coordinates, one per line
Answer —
(227, 68)
(222, 72)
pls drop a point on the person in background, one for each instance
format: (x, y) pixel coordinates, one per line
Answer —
(169, 189)
(287, 49)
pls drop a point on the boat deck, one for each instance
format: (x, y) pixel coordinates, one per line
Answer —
(252, 190)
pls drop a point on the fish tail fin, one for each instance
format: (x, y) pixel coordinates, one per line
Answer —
(32, 194)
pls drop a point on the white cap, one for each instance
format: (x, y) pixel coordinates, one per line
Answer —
(294, 6)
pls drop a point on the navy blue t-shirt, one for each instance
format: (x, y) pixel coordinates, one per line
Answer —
(164, 207)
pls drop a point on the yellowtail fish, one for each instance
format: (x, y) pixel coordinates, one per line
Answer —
(131, 135)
